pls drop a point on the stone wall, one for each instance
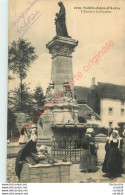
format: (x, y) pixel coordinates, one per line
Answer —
(45, 173)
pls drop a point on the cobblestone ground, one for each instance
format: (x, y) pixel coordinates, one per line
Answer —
(11, 176)
(75, 175)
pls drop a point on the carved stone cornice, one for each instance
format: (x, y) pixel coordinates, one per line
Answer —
(62, 46)
(61, 49)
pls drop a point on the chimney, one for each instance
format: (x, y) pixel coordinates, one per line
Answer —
(93, 86)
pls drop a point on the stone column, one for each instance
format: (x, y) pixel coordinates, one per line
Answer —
(61, 49)
(65, 109)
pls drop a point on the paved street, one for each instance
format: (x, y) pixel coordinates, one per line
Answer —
(75, 175)
(96, 177)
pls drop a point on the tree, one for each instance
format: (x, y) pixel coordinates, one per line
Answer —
(39, 97)
(21, 55)
(11, 123)
(27, 99)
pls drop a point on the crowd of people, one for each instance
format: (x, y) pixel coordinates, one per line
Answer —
(114, 161)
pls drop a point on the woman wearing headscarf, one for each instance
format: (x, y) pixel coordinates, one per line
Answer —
(107, 147)
(88, 156)
(114, 160)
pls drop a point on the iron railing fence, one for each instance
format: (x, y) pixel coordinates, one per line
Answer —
(69, 150)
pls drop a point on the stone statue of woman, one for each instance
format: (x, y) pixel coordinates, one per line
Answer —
(60, 21)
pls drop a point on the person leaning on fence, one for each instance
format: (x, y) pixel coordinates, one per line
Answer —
(88, 157)
(112, 165)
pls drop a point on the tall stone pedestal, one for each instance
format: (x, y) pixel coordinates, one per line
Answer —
(64, 109)
(61, 49)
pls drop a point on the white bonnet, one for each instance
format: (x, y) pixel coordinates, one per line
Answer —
(89, 130)
(115, 131)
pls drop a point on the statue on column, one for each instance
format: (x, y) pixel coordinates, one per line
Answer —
(60, 21)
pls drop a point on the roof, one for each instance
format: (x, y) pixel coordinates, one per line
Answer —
(104, 90)
(81, 93)
(85, 111)
(111, 91)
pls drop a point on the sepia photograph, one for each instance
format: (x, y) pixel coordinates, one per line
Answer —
(66, 91)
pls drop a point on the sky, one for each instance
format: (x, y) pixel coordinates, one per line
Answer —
(92, 30)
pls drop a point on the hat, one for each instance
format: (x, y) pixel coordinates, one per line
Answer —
(89, 130)
(115, 131)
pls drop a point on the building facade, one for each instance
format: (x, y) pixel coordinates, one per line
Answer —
(112, 112)
(107, 100)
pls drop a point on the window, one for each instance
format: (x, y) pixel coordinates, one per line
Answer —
(122, 102)
(110, 111)
(110, 124)
(122, 112)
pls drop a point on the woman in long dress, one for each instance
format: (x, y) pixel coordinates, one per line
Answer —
(107, 148)
(114, 159)
(88, 156)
